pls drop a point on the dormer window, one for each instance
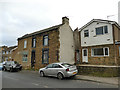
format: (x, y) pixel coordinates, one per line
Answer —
(101, 30)
(86, 33)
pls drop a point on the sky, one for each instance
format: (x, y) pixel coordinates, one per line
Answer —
(20, 17)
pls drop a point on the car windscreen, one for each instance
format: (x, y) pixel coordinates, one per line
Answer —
(67, 65)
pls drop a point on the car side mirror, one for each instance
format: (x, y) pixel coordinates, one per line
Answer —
(46, 67)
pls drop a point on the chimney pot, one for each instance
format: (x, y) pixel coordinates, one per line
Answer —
(65, 20)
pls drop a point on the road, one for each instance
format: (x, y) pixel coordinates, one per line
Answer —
(31, 79)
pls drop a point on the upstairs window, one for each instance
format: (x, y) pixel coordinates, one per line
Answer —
(25, 44)
(101, 30)
(7, 52)
(45, 40)
(3, 52)
(86, 33)
(33, 42)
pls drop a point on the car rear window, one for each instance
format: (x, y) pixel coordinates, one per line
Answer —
(67, 65)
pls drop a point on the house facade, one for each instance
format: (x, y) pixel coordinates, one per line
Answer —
(54, 44)
(100, 43)
(7, 52)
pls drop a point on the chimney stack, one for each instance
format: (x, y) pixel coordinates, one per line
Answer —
(65, 20)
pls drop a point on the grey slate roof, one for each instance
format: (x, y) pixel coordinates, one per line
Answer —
(40, 31)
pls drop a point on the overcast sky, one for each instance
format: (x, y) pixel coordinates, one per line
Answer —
(19, 17)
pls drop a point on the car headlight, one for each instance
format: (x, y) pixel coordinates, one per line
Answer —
(14, 66)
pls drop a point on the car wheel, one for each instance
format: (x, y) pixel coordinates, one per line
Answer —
(42, 74)
(5, 69)
(11, 69)
(60, 76)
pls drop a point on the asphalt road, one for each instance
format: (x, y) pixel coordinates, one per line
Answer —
(30, 79)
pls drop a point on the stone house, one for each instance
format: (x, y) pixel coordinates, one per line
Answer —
(100, 43)
(7, 53)
(53, 44)
(14, 54)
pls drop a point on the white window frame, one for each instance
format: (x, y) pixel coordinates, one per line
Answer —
(86, 31)
(103, 30)
(25, 44)
(100, 55)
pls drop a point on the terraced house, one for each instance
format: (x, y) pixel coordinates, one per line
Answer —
(100, 42)
(7, 52)
(53, 44)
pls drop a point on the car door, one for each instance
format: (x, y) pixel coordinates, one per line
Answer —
(7, 65)
(48, 69)
(56, 68)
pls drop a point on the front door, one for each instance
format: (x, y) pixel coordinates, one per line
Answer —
(85, 55)
(32, 59)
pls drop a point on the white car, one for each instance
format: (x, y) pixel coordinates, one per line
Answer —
(59, 70)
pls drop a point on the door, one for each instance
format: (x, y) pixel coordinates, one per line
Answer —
(32, 59)
(77, 57)
(85, 55)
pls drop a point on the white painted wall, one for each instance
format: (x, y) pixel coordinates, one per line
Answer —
(93, 40)
(119, 12)
(66, 44)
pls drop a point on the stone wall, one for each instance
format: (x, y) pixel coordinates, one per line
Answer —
(105, 60)
(102, 71)
(53, 49)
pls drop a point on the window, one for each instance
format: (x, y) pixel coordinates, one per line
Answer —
(101, 30)
(45, 56)
(7, 52)
(105, 29)
(119, 50)
(25, 57)
(25, 44)
(33, 42)
(45, 40)
(100, 52)
(86, 33)
(10, 52)
(85, 52)
(56, 66)
(49, 66)
(3, 52)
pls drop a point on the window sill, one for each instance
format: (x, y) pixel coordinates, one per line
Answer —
(99, 56)
(24, 61)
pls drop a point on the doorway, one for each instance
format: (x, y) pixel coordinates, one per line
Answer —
(85, 55)
(33, 59)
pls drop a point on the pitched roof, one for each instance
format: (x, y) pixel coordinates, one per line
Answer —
(9, 48)
(40, 31)
(99, 20)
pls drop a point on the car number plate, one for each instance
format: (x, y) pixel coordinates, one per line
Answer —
(74, 73)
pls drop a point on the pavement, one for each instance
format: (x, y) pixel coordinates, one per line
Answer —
(108, 80)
